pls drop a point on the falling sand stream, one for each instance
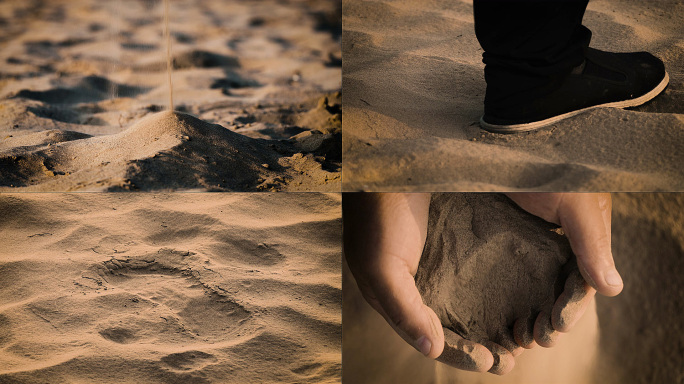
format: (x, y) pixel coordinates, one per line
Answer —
(99, 127)
(167, 37)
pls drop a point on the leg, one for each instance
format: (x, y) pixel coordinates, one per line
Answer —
(539, 68)
(529, 45)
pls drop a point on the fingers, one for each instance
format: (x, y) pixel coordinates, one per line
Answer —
(544, 333)
(394, 295)
(572, 303)
(567, 310)
(535, 330)
(470, 356)
(503, 358)
(545, 328)
(465, 354)
(585, 217)
(523, 332)
(507, 341)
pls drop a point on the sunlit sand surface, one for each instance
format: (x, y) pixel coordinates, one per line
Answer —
(175, 288)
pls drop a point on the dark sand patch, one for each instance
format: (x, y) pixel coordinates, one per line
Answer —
(87, 89)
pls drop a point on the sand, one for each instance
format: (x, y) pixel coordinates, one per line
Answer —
(86, 71)
(413, 90)
(170, 288)
(634, 337)
(164, 150)
(494, 265)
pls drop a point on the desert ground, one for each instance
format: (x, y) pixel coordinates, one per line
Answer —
(414, 87)
(635, 337)
(80, 81)
(170, 288)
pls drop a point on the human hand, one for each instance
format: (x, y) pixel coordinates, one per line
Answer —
(586, 221)
(384, 236)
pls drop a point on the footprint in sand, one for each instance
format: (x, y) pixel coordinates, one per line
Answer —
(185, 295)
(492, 273)
(189, 361)
(119, 335)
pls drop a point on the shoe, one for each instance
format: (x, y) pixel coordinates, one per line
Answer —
(605, 79)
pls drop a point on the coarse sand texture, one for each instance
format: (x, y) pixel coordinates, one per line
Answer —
(255, 88)
(487, 264)
(170, 288)
(165, 150)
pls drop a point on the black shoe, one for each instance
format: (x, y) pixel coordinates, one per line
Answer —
(605, 79)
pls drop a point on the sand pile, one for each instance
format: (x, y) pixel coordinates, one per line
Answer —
(177, 288)
(162, 151)
(414, 88)
(487, 264)
(98, 69)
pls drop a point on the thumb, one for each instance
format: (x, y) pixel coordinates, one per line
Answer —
(585, 218)
(394, 295)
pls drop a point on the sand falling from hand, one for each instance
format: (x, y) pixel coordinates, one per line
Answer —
(167, 37)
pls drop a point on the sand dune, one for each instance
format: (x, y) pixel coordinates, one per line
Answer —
(88, 71)
(177, 288)
(635, 337)
(414, 87)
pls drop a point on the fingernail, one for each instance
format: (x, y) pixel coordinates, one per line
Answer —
(424, 345)
(613, 278)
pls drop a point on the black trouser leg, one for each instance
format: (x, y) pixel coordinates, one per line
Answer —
(529, 47)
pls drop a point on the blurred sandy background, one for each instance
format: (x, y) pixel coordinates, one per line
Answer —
(174, 288)
(636, 337)
(414, 86)
(73, 73)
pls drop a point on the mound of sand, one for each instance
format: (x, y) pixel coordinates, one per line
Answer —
(487, 263)
(162, 151)
(176, 288)
(258, 69)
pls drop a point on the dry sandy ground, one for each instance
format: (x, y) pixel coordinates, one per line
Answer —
(414, 86)
(73, 74)
(173, 288)
(636, 337)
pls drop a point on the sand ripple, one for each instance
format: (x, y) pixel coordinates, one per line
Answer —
(180, 288)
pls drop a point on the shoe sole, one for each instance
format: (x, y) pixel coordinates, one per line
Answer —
(525, 127)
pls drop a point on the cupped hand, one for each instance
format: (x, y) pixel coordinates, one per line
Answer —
(384, 236)
(586, 221)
